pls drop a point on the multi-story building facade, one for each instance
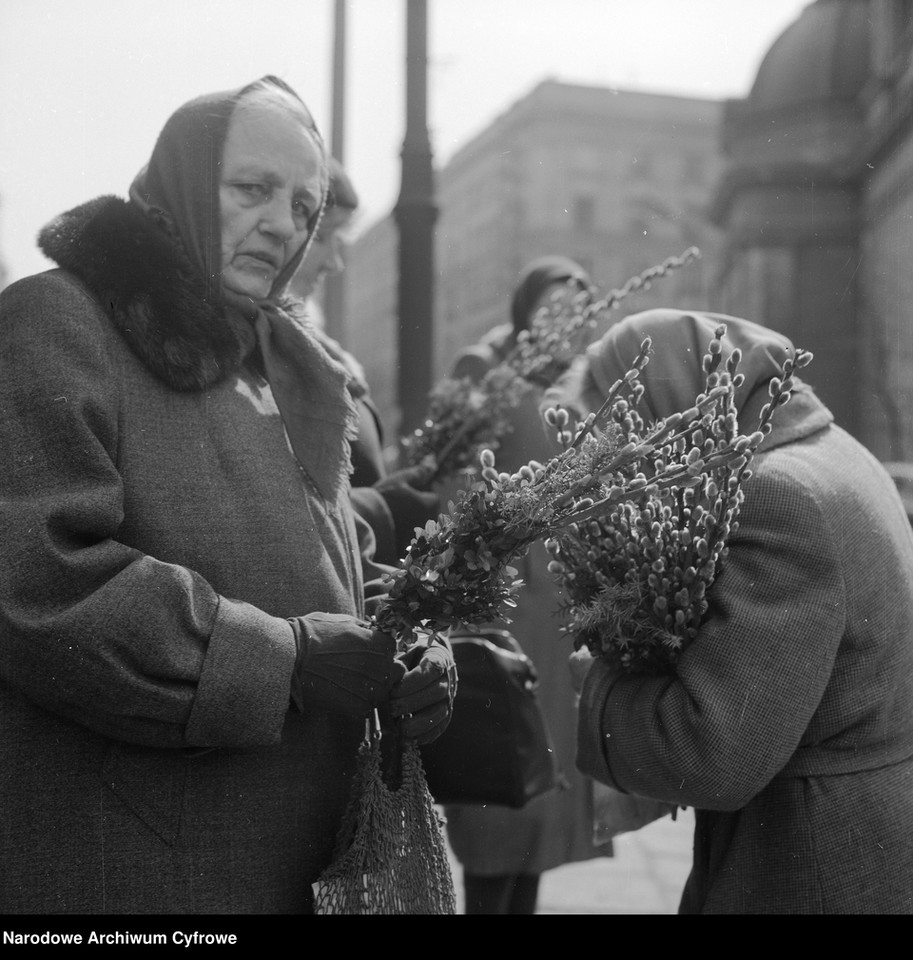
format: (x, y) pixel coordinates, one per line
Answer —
(3, 271)
(808, 182)
(816, 205)
(618, 180)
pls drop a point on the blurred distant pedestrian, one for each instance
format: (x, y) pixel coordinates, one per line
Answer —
(504, 851)
(393, 503)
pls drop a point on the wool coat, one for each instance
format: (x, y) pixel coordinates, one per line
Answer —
(155, 535)
(555, 828)
(788, 722)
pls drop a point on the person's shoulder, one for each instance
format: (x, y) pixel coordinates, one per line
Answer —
(478, 358)
(474, 361)
(50, 290)
(56, 314)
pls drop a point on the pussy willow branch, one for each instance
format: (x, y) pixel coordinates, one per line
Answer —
(525, 348)
(532, 352)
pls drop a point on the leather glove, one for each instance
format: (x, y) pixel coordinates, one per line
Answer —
(343, 665)
(411, 503)
(423, 699)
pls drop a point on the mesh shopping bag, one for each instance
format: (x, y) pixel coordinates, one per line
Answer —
(391, 855)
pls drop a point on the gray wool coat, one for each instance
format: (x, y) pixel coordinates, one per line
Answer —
(788, 724)
(155, 534)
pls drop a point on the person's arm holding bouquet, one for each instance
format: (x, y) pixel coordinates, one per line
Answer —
(787, 722)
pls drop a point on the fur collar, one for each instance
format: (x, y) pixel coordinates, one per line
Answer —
(143, 280)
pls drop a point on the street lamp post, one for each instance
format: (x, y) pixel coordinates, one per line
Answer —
(334, 286)
(415, 214)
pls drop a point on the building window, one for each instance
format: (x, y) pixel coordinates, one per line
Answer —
(896, 37)
(902, 17)
(584, 213)
(692, 169)
(642, 165)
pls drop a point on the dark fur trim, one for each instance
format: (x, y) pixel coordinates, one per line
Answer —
(148, 287)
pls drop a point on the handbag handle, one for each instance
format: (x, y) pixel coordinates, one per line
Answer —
(373, 733)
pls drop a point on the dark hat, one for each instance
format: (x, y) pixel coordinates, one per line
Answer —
(535, 278)
(342, 193)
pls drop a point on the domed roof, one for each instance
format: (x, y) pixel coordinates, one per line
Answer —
(822, 55)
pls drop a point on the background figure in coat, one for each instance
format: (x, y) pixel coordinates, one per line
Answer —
(185, 660)
(788, 721)
(396, 502)
(504, 851)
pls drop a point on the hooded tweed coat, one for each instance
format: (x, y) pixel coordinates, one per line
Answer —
(155, 534)
(788, 723)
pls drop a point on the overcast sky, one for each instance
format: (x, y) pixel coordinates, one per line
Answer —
(87, 84)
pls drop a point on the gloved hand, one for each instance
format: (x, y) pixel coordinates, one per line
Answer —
(343, 664)
(423, 699)
(410, 501)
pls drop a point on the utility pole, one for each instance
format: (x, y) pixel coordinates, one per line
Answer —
(334, 288)
(415, 213)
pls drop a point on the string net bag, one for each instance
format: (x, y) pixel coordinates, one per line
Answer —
(390, 855)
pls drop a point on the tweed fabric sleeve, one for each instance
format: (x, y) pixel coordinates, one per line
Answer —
(243, 690)
(746, 689)
(92, 629)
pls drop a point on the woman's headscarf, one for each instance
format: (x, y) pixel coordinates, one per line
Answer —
(183, 178)
(674, 375)
(536, 278)
(180, 189)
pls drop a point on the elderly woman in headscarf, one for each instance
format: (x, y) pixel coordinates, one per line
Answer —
(788, 721)
(185, 659)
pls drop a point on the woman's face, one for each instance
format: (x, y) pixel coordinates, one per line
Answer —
(550, 295)
(272, 178)
(324, 257)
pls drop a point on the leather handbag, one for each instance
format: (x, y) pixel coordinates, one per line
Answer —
(497, 748)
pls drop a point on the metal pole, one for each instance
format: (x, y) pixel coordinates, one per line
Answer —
(334, 287)
(415, 214)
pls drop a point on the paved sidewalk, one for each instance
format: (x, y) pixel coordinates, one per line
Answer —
(645, 876)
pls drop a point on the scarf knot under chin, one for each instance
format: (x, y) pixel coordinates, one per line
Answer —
(311, 391)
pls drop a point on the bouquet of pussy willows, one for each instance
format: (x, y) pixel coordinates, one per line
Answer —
(636, 516)
(635, 577)
(464, 417)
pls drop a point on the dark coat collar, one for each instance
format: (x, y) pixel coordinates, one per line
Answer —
(145, 283)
